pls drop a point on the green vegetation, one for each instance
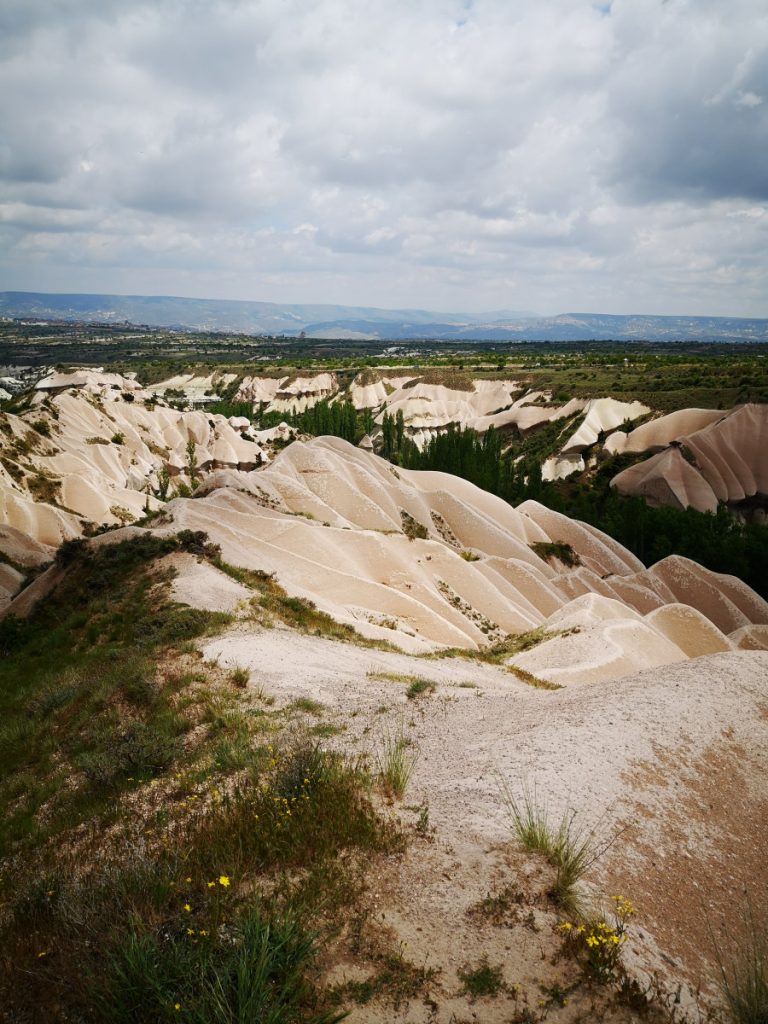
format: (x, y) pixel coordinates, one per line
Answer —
(170, 849)
(420, 688)
(569, 849)
(397, 981)
(395, 758)
(556, 550)
(412, 528)
(743, 972)
(270, 602)
(482, 980)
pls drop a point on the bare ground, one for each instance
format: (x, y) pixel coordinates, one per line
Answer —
(668, 766)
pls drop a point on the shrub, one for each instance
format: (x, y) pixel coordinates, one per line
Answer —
(412, 528)
(563, 552)
(482, 980)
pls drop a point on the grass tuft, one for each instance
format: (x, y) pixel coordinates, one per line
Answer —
(743, 974)
(569, 848)
(396, 759)
(482, 981)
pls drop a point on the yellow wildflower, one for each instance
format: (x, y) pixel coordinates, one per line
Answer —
(187, 908)
(224, 881)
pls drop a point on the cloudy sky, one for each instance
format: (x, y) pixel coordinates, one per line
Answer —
(544, 155)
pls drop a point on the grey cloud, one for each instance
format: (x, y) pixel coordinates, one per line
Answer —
(446, 153)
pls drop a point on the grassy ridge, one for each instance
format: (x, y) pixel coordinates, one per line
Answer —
(171, 847)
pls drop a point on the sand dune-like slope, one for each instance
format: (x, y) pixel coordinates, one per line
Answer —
(724, 461)
(601, 415)
(422, 559)
(425, 560)
(332, 522)
(653, 436)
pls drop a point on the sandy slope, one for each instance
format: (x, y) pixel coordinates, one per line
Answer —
(608, 617)
(722, 459)
(675, 756)
(331, 521)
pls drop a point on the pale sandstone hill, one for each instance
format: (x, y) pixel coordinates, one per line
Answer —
(725, 460)
(329, 521)
(91, 450)
(337, 526)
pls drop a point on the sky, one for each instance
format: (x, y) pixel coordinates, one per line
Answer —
(533, 155)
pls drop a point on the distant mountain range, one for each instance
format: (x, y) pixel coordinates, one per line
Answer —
(361, 322)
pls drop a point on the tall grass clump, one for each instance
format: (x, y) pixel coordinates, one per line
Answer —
(396, 758)
(743, 973)
(569, 848)
(257, 972)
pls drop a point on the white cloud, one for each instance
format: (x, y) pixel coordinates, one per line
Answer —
(445, 154)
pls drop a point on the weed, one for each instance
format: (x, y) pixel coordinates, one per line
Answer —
(240, 677)
(598, 942)
(743, 973)
(307, 705)
(469, 556)
(325, 730)
(570, 849)
(482, 980)
(417, 685)
(396, 758)
(499, 907)
(420, 688)
(396, 982)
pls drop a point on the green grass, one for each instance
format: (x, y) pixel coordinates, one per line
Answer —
(482, 981)
(396, 759)
(570, 849)
(136, 777)
(82, 711)
(743, 972)
(420, 688)
(259, 974)
(307, 705)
